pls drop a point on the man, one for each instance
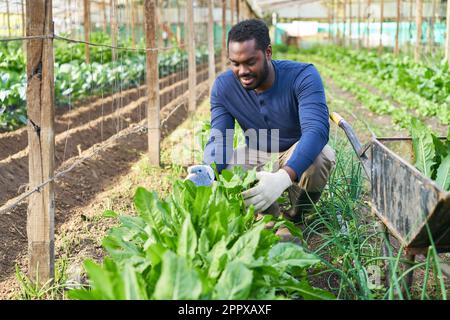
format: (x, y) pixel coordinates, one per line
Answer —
(284, 103)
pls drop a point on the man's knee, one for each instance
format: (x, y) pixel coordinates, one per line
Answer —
(316, 176)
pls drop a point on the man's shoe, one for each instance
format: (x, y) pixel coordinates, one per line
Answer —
(302, 202)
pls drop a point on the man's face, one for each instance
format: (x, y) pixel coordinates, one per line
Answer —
(250, 65)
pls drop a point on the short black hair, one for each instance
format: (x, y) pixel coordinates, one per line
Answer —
(248, 30)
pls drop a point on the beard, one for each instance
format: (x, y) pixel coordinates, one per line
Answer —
(259, 79)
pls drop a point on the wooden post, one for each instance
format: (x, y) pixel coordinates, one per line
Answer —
(153, 106)
(344, 20)
(350, 22)
(104, 16)
(87, 29)
(397, 29)
(224, 35)
(179, 39)
(369, 5)
(192, 68)
(133, 25)
(419, 13)
(113, 23)
(41, 139)
(359, 24)
(8, 18)
(127, 14)
(330, 21)
(380, 49)
(411, 22)
(70, 16)
(431, 27)
(232, 12)
(23, 19)
(238, 10)
(211, 59)
(447, 39)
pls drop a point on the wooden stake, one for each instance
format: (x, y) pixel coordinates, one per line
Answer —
(344, 20)
(369, 5)
(419, 18)
(133, 25)
(211, 59)
(179, 38)
(153, 104)
(238, 10)
(113, 23)
(190, 32)
(447, 40)
(359, 24)
(224, 35)
(397, 29)
(330, 21)
(350, 22)
(232, 12)
(431, 27)
(23, 20)
(70, 16)
(104, 16)
(41, 139)
(8, 18)
(87, 29)
(380, 49)
(411, 22)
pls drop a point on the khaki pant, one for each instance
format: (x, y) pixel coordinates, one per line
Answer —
(313, 179)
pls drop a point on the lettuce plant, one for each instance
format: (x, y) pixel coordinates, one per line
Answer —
(199, 243)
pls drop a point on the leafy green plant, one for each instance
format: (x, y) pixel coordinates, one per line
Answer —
(199, 243)
(432, 156)
(74, 79)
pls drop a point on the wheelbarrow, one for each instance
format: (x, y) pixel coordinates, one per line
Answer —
(409, 206)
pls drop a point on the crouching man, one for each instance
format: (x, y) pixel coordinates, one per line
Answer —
(284, 100)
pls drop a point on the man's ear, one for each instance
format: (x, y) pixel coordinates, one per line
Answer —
(269, 52)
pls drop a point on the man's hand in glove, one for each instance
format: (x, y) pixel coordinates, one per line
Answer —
(268, 190)
(200, 175)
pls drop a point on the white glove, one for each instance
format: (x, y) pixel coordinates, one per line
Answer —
(200, 175)
(268, 190)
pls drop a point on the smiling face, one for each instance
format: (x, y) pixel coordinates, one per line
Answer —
(249, 64)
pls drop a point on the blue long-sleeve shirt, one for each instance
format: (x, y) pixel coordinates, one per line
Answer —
(295, 104)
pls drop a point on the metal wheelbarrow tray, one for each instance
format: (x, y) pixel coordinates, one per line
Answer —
(411, 206)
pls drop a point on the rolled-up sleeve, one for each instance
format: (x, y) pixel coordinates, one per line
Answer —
(314, 123)
(219, 147)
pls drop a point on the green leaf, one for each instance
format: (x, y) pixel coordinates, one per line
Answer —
(134, 286)
(100, 280)
(201, 201)
(286, 254)
(110, 214)
(217, 258)
(443, 174)
(306, 291)
(234, 283)
(177, 281)
(245, 247)
(203, 243)
(423, 147)
(187, 241)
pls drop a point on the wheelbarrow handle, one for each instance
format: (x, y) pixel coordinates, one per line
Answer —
(336, 118)
(354, 141)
